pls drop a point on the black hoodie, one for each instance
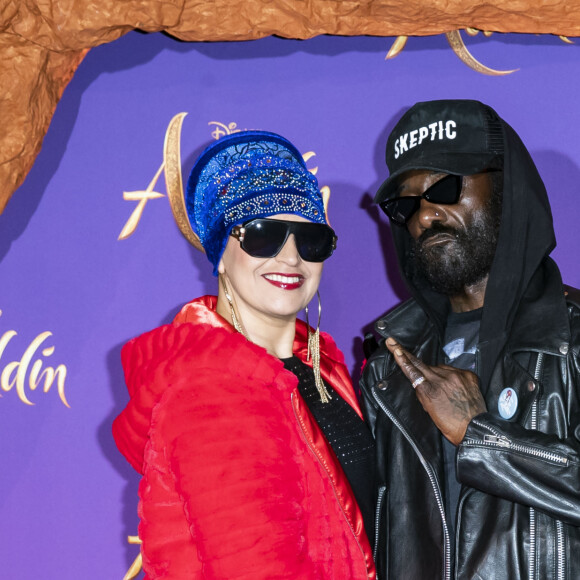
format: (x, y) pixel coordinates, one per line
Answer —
(525, 240)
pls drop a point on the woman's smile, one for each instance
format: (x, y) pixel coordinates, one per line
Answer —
(284, 281)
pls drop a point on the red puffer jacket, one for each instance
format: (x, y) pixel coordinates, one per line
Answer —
(238, 480)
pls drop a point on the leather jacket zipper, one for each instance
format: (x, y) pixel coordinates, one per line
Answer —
(537, 375)
(532, 562)
(382, 491)
(497, 440)
(560, 557)
(532, 554)
(432, 480)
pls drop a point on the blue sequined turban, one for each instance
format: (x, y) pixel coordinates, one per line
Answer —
(247, 175)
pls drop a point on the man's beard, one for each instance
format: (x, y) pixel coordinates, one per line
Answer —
(450, 267)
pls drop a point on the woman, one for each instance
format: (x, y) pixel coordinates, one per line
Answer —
(243, 445)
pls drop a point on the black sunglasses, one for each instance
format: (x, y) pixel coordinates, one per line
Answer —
(264, 238)
(445, 191)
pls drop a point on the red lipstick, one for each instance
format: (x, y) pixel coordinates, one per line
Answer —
(284, 281)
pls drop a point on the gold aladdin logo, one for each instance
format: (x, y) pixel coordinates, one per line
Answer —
(149, 193)
(29, 373)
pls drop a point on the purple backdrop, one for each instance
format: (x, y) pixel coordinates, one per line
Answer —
(67, 498)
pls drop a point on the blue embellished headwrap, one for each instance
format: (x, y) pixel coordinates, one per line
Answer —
(243, 176)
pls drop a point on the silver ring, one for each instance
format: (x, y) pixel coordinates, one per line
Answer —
(417, 382)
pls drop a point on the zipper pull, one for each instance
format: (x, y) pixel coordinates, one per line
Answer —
(501, 440)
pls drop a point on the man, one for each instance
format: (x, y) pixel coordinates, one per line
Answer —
(473, 393)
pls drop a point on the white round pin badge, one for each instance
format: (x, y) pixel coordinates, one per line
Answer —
(507, 403)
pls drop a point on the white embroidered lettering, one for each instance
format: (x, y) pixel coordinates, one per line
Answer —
(403, 143)
(437, 130)
(433, 127)
(448, 132)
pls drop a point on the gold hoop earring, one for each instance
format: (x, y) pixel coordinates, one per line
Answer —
(235, 321)
(314, 352)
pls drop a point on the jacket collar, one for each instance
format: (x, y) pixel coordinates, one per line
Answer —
(407, 323)
(332, 367)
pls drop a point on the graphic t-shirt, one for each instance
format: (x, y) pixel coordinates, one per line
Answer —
(460, 347)
(461, 338)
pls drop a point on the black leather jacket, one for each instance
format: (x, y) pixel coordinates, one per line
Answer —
(519, 510)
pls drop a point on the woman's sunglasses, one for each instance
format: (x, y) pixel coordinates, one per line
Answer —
(445, 191)
(264, 238)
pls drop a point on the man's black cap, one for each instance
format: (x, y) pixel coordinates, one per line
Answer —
(461, 137)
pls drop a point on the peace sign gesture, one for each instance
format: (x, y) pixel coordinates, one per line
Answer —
(451, 396)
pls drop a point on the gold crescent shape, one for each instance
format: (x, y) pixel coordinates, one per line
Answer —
(459, 48)
(137, 563)
(566, 39)
(135, 568)
(397, 47)
(174, 182)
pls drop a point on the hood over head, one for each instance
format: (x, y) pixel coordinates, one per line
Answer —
(526, 235)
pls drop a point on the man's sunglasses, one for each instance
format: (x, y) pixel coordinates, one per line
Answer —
(445, 191)
(264, 238)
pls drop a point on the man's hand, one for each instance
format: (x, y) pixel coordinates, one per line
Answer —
(451, 396)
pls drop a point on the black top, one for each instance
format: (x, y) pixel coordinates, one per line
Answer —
(461, 338)
(348, 436)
